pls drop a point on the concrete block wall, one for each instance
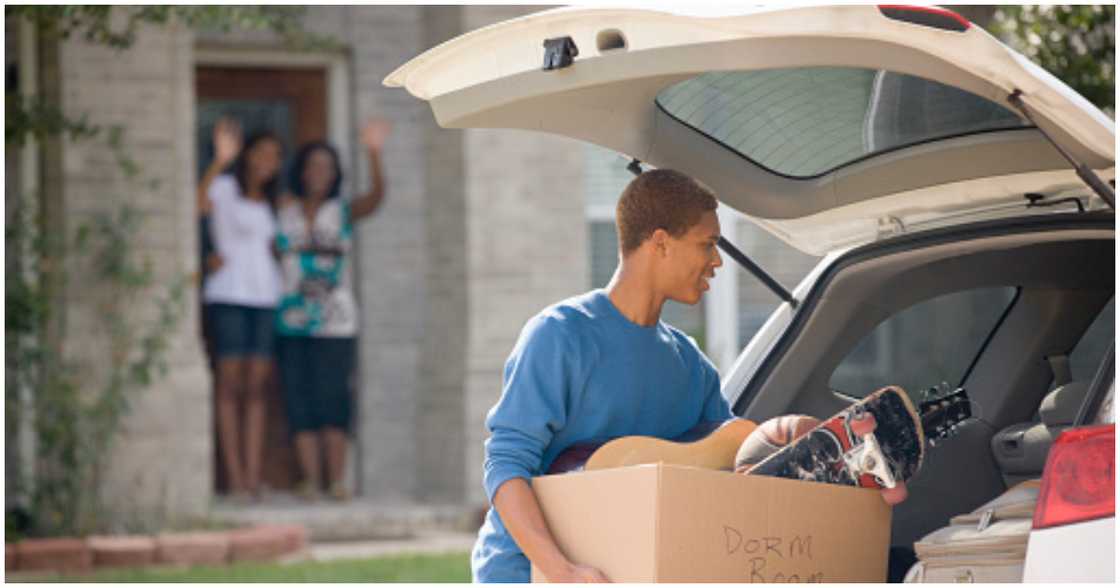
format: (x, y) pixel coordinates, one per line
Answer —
(528, 249)
(393, 256)
(159, 467)
(440, 412)
(527, 236)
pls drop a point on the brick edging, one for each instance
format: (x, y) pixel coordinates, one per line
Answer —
(264, 542)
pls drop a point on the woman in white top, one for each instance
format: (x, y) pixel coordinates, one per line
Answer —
(242, 293)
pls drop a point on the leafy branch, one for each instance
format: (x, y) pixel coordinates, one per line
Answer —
(77, 407)
(1075, 43)
(75, 423)
(117, 26)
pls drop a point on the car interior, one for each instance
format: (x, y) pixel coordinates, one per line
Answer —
(1056, 275)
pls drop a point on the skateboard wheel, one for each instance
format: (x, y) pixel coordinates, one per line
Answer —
(863, 425)
(893, 496)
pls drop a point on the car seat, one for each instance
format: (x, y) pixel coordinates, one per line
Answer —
(1020, 450)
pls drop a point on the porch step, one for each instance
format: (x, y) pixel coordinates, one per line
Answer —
(355, 520)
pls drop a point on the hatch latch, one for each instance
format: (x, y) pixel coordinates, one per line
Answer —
(559, 53)
(1035, 200)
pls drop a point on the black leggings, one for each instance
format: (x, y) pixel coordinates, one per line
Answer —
(316, 375)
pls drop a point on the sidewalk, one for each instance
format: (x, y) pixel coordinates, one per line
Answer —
(358, 521)
(423, 543)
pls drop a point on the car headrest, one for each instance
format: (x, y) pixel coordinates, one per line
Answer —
(1059, 408)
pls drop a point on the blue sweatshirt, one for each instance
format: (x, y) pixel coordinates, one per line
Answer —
(581, 371)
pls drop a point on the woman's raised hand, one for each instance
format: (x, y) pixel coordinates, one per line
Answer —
(375, 132)
(227, 140)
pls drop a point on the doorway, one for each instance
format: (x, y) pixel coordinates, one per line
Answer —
(292, 103)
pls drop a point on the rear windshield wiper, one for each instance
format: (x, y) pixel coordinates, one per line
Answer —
(1086, 174)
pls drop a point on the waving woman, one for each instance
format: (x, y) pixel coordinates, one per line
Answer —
(317, 321)
(241, 292)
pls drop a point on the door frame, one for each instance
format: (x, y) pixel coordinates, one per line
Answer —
(339, 119)
(340, 123)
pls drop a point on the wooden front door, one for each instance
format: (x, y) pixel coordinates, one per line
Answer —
(292, 104)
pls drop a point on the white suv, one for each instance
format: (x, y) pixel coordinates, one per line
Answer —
(921, 157)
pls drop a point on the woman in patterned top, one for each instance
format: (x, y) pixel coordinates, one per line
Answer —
(317, 318)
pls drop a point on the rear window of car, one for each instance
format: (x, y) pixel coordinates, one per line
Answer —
(1089, 351)
(804, 122)
(930, 344)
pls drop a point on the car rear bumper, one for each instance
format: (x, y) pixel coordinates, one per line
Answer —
(1081, 552)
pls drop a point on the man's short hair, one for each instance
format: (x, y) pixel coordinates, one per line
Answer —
(660, 199)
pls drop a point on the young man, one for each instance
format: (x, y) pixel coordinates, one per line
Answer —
(602, 365)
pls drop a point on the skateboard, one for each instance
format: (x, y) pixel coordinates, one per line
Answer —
(711, 445)
(878, 442)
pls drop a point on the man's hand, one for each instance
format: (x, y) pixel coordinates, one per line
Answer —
(517, 505)
(896, 495)
(773, 434)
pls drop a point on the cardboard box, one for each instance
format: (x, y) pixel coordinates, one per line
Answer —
(668, 523)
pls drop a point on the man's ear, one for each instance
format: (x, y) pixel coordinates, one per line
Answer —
(660, 240)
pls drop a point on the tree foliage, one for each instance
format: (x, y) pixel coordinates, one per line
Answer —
(74, 416)
(1075, 43)
(116, 26)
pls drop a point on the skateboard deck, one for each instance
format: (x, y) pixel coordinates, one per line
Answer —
(710, 445)
(878, 442)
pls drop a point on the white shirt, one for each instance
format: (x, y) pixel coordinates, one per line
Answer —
(243, 231)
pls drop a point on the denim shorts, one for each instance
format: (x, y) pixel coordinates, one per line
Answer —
(241, 331)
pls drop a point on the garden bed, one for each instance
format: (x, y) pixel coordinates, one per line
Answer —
(72, 555)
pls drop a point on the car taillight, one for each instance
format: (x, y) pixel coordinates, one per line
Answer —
(928, 16)
(1080, 478)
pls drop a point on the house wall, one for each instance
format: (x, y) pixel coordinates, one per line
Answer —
(440, 413)
(480, 230)
(393, 257)
(527, 237)
(160, 464)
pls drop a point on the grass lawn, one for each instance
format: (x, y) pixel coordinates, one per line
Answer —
(454, 567)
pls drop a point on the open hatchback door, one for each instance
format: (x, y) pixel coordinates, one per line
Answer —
(828, 126)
